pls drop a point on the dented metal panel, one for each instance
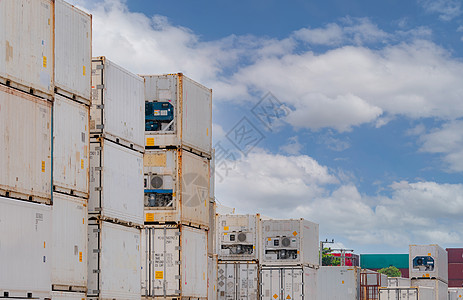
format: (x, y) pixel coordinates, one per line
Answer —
(26, 45)
(192, 104)
(69, 261)
(73, 51)
(25, 248)
(238, 280)
(289, 242)
(176, 187)
(118, 106)
(113, 261)
(237, 237)
(70, 147)
(116, 182)
(25, 143)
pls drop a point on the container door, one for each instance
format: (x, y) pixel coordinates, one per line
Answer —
(165, 262)
(247, 281)
(226, 282)
(292, 284)
(93, 271)
(271, 284)
(194, 262)
(95, 184)
(145, 262)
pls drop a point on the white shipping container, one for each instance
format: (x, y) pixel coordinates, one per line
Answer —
(212, 176)
(212, 275)
(237, 237)
(440, 288)
(428, 261)
(455, 293)
(25, 143)
(339, 283)
(297, 283)
(25, 248)
(404, 293)
(73, 52)
(212, 232)
(191, 124)
(26, 45)
(70, 147)
(67, 296)
(289, 242)
(113, 261)
(238, 280)
(118, 105)
(176, 187)
(69, 249)
(116, 182)
(175, 262)
(398, 282)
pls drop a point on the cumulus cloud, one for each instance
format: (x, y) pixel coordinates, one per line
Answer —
(447, 9)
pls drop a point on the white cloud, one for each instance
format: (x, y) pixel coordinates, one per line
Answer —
(292, 146)
(447, 9)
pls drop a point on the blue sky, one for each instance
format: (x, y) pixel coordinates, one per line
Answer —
(365, 106)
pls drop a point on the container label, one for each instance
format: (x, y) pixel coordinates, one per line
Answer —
(159, 275)
(82, 164)
(294, 233)
(149, 217)
(149, 141)
(44, 61)
(43, 166)
(83, 70)
(80, 256)
(275, 296)
(226, 228)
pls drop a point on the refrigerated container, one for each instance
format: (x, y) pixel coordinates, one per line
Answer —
(118, 106)
(68, 296)
(113, 261)
(174, 262)
(25, 143)
(69, 247)
(176, 187)
(178, 113)
(238, 236)
(73, 52)
(428, 261)
(211, 233)
(407, 293)
(116, 182)
(212, 276)
(26, 46)
(440, 288)
(398, 282)
(71, 144)
(455, 293)
(339, 283)
(289, 242)
(238, 280)
(297, 283)
(25, 248)
(212, 176)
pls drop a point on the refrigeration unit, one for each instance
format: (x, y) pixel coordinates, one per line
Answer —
(428, 261)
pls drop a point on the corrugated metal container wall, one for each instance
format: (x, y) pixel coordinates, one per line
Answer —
(379, 261)
(457, 283)
(191, 103)
(211, 233)
(26, 45)
(456, 271)
(428, 261)
(398, 282)
(237, 237)
(440, 288)
(113, 261)
(458, 292)
(25, 143)
(289, 242)
(69, 261)
(175, 262)
(70, 147)
(403, 293)
(25, 248)
(118, 105)
(297, 283)
(116, 182)
(338, 283)
(168, 199)
(212, 275)
(212, 176)
(68, 296)
(238, 280)
(73, 51)
(455, 255)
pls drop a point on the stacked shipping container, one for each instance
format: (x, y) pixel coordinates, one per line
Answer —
(455, 259)
(179, 198)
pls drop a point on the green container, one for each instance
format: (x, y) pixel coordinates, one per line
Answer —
(379, 261)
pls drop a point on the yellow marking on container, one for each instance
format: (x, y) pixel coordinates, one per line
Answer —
(83, 70)
(44, 61)
(429, 254)
(295, 233)
(288, 297)
(149, 141)
(225, 233)
(82, 164)
(159, 275)
(275, 296)
(207, 131)
(342, 282)
(149, 217)
(204, 276)
(43, 244)
(226, 228)
(173, 194)
(269, 239)
(80, 256)
(43, 166)
(85, 205)
(83, 220)
(298, 251)
(426, 275)
(48, 22)
(253, 247)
